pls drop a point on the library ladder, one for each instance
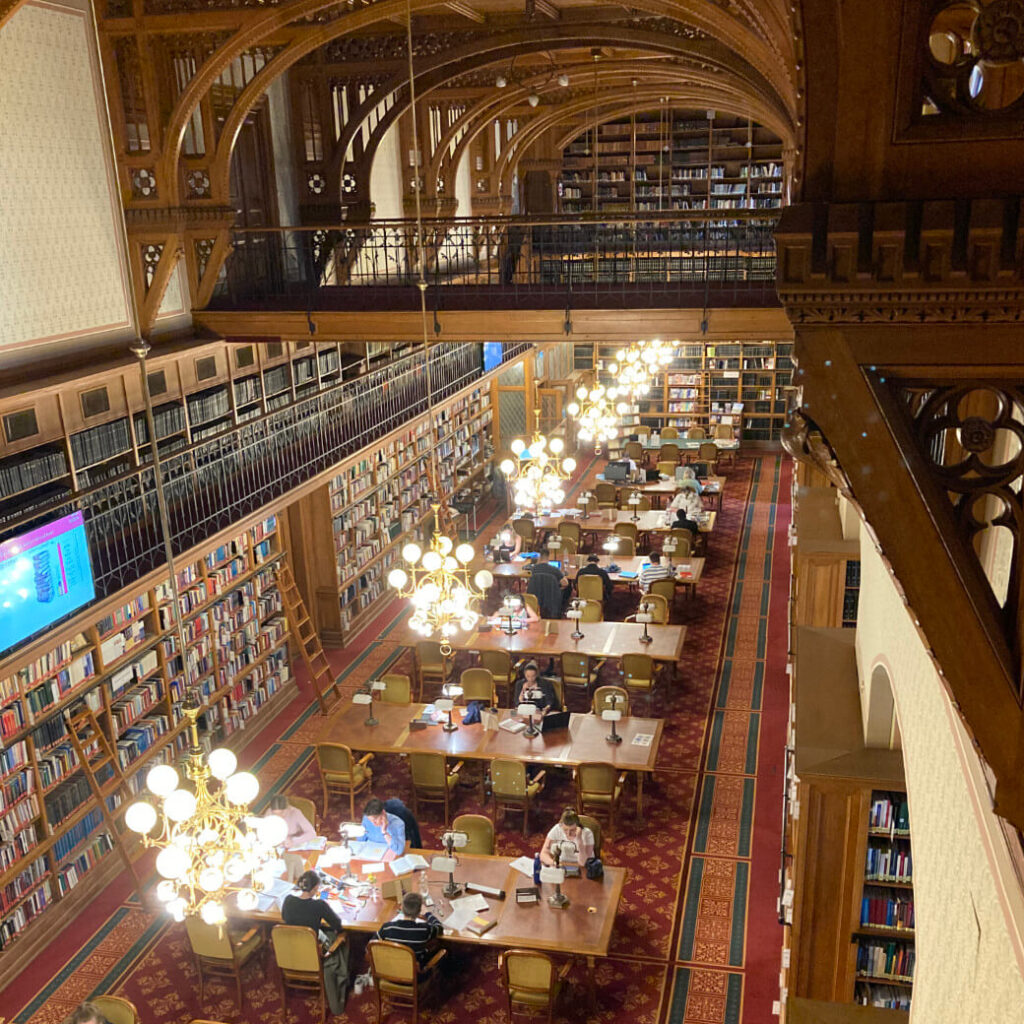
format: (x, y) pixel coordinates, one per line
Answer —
(307, 638)
(95, 754)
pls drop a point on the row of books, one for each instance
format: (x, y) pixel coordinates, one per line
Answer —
(133, 609)
(66, 799)
(17, 815)
(888, 997)
(78, 833)
(893, 960)
(140, 737)
(19, 845)
(168, 419)
(37, 467)
(79, 671)
(247, 390)
(15, 922)
(136, 704)
(73, 872)
(12, 719)
(890, 812)
(886, 912)
(117, 645)
(205, 406)
(22, 883)
(97, 444)
(43, 666)
(889, 865)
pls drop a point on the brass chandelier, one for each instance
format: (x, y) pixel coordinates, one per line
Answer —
(539, 472)
(597, 411)
(634, 367)
(210, 846)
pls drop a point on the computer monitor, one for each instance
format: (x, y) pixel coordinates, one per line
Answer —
(554, 722)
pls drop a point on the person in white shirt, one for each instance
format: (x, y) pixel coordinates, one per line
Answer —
(687, 499)
(569, 831)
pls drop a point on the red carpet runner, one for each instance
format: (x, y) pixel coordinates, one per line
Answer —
(695, 940)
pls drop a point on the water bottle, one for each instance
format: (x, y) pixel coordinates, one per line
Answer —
(424, 887)
(536, 869)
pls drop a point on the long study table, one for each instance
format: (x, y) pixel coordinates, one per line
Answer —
(688, 575)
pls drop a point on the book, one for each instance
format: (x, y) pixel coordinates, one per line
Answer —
(479, 925)
(513, 725)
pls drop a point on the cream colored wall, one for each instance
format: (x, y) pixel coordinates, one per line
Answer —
(969, 909)
(62, 276)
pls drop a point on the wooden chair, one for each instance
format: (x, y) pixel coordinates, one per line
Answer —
(638, 675)
(624, 505)
(696, 434)
(602, 700)
(589, 505)
(431, 665)
(480, 831)
(606, 494)
(658, 606)
(116, 1010)
(398, 978)
(502, 669)
(531, 602)
(635, 450)
(341, 773)
(300, 961)
(531, 982)
(478, 684)
(432, 781)
(665, 589)
(593, 611)
(588, 821)
(708, 453)
(669, 453)
(684, 543)
(307, 807)
(219, 953)
(510, 788)
(669, 433)
(626, 530)
(641, 430)
(627, 545)
(571, 532)
(569, 548)
(599, 788)
(525, 528)
(667, 468)
(577, 672)
(556, 685)
(724, 432)
(589, 587)
(397, 688)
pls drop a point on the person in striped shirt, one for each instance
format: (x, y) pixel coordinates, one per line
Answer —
(420, 934)
(653, 571)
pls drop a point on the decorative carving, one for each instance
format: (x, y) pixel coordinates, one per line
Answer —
(197, 183)
(203, 248)
(176, 219)
(143, 183)
(803, 440)
(316, 183)
(999, 31)
(667, 27)
(348, 183)
(151, 253)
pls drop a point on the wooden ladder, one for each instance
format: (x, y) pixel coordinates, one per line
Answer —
(307, 638)
(84, 731)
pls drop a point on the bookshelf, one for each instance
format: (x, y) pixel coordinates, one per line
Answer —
(742, 384)
(669, 161)
(127, 666)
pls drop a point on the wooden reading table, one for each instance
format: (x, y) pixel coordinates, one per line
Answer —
(519, 570)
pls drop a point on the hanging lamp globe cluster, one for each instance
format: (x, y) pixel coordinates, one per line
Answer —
(635, 367)
(597, 411)
(538, 472)
(439, 587)
(211, 848)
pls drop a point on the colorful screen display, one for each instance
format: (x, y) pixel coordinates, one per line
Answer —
(45, 575)
(492, 355)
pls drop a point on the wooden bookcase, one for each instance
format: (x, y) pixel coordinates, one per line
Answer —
(127, 666)
(739, 383)
(678, 160)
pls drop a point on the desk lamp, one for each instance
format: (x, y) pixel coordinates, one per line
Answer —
(584, 501)
(634, 503)
(557, 876)
(528, 711)
(668, 549)
(575, 613)
(554, 544)
(510, 607)
(445, 704)
(451, 841)
(643, 614)
(612, 715)
(365, 696)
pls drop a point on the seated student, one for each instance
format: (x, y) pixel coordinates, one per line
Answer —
(300, 829)
(420, 934)
(531, 689)
(593, 568)
(551, 588)
(412, 829)
(688, 500)
(383, 827)
(683, 521)
(653, 571)
(569, 830)
(86, 1013)
(510, 545)
(308, 911)
(690, 481)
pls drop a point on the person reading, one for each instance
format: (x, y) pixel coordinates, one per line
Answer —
(300, 830)
(531, 689)
(689, 482)
(384, 827)
(413, 928)
(571, 833)
(593, 568)
(655, 570)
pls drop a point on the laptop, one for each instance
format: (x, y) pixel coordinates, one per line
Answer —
(554, 722)
(616, 472)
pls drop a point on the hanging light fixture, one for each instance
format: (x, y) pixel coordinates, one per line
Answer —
(539, 472)
(439, 587)
(634, 367)
(209, 843)
(437, 581)
(597, 411)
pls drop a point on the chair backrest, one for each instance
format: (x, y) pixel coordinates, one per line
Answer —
(627, 545)
(295, 948)
(605, 493)
(576, 666)
(658, 606)
(684, 543)
(638, 666)
(480, 831)
(724, 432)
(665, 589)
(593, 611)
(556, 685)
(596, 778)
(525, 528)
(586, 821)
(508, 778)
(644, 504)
(668, 433)
(498, 663)
(626, 530)
(428, 769)
(696, 434)
(635, 451)
(428, 653)
(708, 452)
(527, 974)
(570, 530)
(392, 961)
(397, 688)
(669, 453)
(641, 431)
(307, 807)
(532, 603)
(602, 700)
(569, 547)
(477, 684)
(590, 587)
(116, 1010)
(667, 468)
(334, 757)
(208, 940)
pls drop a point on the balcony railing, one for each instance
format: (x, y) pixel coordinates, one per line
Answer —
(691, 259)
(217, 482)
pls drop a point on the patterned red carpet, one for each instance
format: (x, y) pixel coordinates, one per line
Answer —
(689, 912)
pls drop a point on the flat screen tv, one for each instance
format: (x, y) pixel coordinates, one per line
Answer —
(492, 355)
(45, 575)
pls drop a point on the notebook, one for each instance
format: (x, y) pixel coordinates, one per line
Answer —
(627, 575)
(554, 722)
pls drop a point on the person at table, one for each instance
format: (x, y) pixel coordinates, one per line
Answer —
(593, 568)
(654, 570)
(568, 831)
(384, 827)
(413, 928)
(551, 588)
(86, 1013)
(531, 689)
(412, 827)
(300, 829)
(510, 544)
(689, 482)
(688, 501)
(307, 910)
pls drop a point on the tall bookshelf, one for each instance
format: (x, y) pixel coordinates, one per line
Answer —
(742, 384)
(127, 666)
(669, 161)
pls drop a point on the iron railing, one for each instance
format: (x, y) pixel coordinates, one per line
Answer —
(217, 482)
(695, 258)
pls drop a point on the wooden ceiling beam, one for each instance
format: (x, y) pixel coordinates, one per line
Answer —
(548, 9)
(465, 11)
